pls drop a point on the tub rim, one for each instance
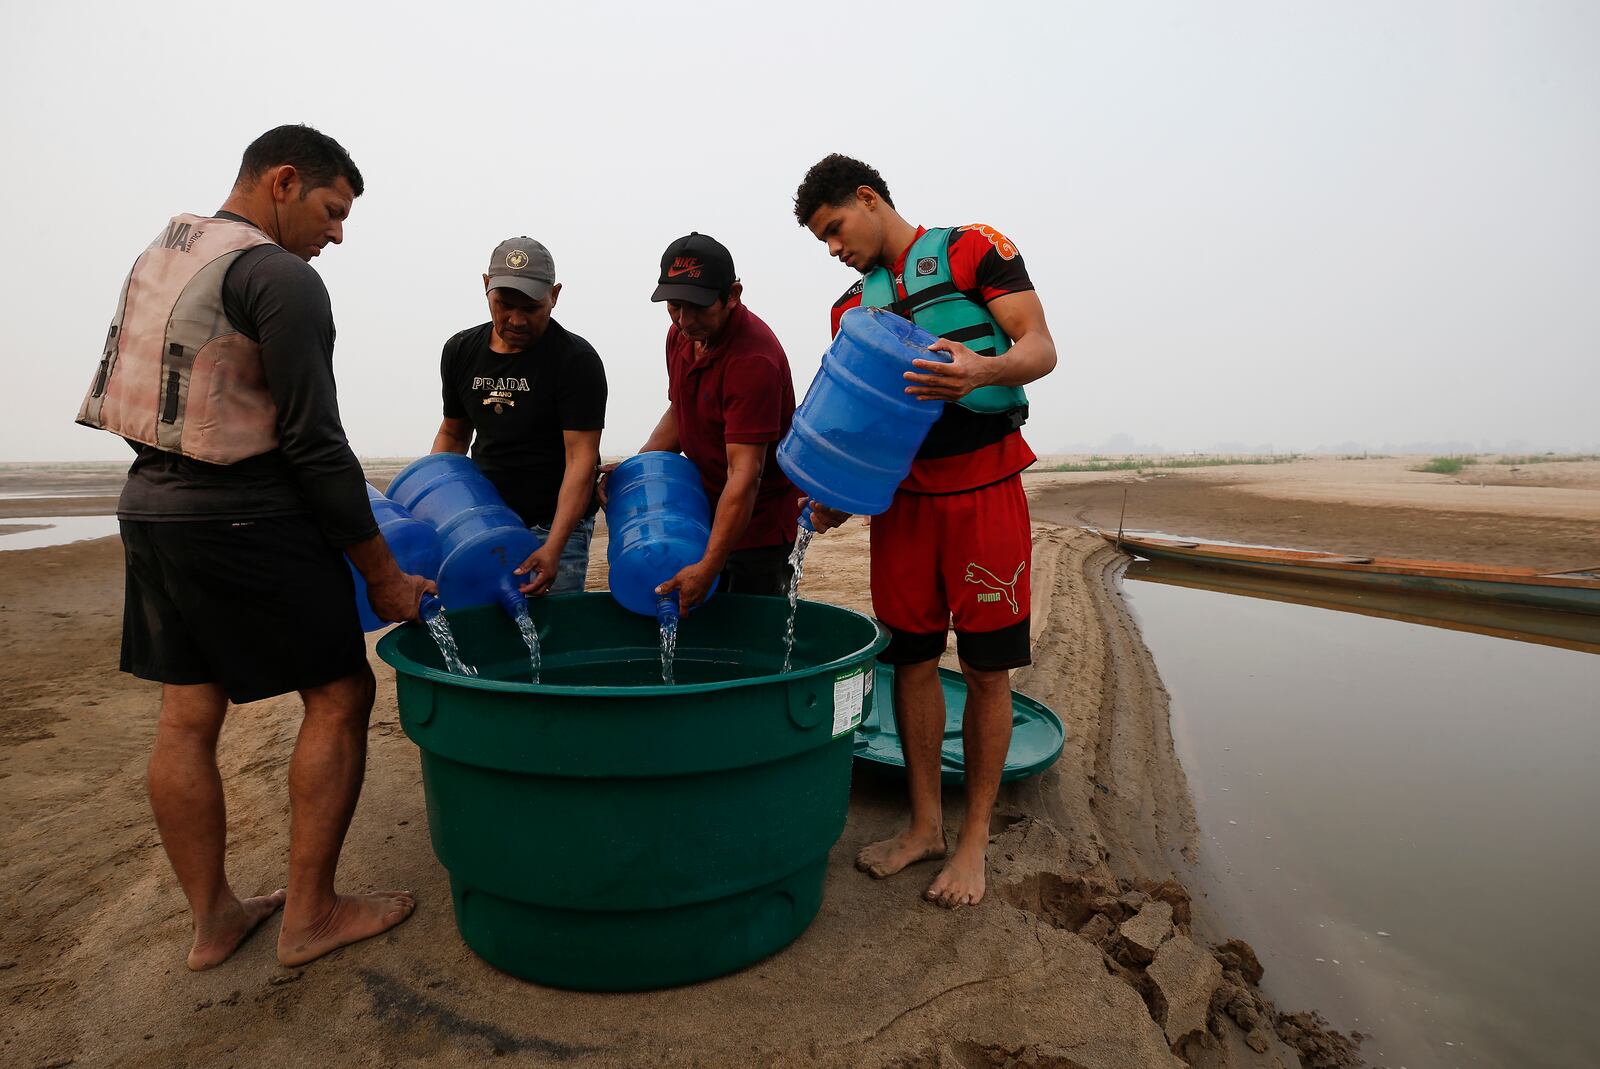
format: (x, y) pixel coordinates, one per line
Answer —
(390, 654)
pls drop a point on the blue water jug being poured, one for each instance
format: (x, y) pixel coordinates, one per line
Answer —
(481, 540)
(413, 544)
(854, 436)
(659, 522)
(415, 548)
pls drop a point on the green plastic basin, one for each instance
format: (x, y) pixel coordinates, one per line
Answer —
(604, 832)
(1037, 734)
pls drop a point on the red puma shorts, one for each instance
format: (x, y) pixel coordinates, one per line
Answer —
(938, 558)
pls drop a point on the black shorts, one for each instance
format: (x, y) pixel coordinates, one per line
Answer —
(762, 570)
(260, 607)
(987, 651)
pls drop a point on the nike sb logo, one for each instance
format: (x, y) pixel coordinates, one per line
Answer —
(685, 265)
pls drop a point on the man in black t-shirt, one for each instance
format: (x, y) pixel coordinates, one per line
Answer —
(529, 397)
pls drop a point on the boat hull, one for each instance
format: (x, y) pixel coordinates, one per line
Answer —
(1567, 594)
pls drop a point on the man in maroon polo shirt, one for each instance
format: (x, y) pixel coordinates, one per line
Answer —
(731, 399)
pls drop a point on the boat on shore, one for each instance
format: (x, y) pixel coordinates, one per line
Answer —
(1577, 590)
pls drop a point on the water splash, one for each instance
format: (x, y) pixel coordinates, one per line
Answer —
(797, 565)
(530, 638)
(445, 639)
(669, 649)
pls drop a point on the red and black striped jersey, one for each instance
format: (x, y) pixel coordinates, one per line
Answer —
(984, 265)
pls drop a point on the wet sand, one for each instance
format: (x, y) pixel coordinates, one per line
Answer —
(93, 928)
(64, 490)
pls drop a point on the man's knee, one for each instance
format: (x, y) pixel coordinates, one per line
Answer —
(986, 682)
(349, 698)
(922, 672)
(191, 711)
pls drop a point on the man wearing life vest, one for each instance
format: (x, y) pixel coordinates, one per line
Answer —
(239, 510)
(730, 401)
(528, 397)
(955, 545)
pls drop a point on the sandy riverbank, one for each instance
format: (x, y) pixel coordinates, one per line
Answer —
(92, 930)
(1543, 515)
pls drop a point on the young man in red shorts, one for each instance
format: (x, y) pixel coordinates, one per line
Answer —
(955, 546)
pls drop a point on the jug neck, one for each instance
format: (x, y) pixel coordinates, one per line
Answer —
(667, 610)
(513, 601)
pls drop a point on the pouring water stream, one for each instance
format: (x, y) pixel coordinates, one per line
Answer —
(433, 618)
(797, 563)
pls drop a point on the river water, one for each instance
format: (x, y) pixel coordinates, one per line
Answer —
(1400, 818)
(53, 530)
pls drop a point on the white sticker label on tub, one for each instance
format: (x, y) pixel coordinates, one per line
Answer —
(848, 692)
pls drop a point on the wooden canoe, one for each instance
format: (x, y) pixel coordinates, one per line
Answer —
(1574, 591)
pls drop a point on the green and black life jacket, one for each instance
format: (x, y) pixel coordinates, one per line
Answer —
(934, 303)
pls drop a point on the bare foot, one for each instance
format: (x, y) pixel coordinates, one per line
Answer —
(960, 882)
(885, 858)
(217, 937)
(352, 919)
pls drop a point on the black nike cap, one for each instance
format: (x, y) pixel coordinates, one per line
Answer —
(695, 269)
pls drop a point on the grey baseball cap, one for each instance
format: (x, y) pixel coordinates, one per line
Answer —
(522, 264)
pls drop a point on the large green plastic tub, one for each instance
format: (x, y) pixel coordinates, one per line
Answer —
(605, 832)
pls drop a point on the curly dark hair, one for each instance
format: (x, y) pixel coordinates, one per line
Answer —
(834, 179)
(320, 159)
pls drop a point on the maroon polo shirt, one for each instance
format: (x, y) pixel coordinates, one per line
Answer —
(740, 391)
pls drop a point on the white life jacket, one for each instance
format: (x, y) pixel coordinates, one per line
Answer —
(174, 373)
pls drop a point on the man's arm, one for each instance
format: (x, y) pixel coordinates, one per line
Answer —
(288, 307)
(454, 436)
(577, 482)
(1031, 357)
(734, 509)
(283, 301)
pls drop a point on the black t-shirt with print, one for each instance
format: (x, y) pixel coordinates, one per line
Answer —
(519, 404)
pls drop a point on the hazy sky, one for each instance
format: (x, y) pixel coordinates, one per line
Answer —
(1267, 222)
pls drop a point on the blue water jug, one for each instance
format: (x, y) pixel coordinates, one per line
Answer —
(659, 522)
(413, 543)
(854, 436)
(481, 541)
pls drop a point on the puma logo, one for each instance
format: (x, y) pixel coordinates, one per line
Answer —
(978, 575)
